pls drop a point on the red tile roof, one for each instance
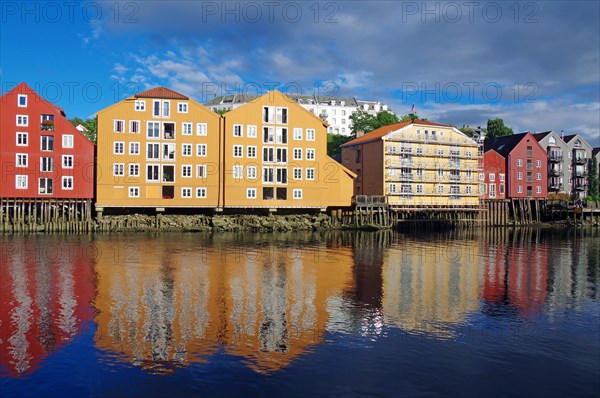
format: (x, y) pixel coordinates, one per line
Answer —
(161, 92)
(382, 131)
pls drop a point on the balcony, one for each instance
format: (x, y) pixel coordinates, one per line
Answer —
(555, 158)
(554, 172)
(406, 177)
(554, 186)
(169, 133)
(579, 173)
(47, 125)
(580, 186)
(580, 160)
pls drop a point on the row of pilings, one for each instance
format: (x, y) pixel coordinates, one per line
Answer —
(46, 215)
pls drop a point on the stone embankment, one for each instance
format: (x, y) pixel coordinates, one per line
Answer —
(224, 223)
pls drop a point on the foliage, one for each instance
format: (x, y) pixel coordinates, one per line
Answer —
(366, 122)
(593, 178)
(334, 141)
(221, 111)
(496, 128)
(91, 127)
(411, 116)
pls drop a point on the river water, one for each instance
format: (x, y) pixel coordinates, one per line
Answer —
(321, 314)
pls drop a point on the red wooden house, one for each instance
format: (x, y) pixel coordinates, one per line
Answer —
(526, 165)
(42, 155)
(494, 171)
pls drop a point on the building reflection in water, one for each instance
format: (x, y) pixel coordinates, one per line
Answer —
(163, 304)
(47, 289)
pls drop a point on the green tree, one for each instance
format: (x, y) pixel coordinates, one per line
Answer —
(366, 122)
(221, 111)
(90, 125)
(593, 179)
(410, 117)
(334, 141)
(496, 128)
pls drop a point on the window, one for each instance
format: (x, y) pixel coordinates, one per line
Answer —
(21, 181)
(419, 188)
(47, 143)
(440, 189)
(238, 171)
(492, 177)
(22, 120)
(251, 172)
(237, 130)
(168, 173)
(118, 169)
(281, 135)
(281, 155)
(201, 150)
(22, 139)
(67, 141)
(67, 161)
(134, 148)
(201, 193)
(250, 193)
(268, 193)
(268, 154)
(281, 175)
(297, 194)
(251, 151)
(419, 172)
(200, 128)
(186, 128)
(440, 173)
(153, 151)
(501, 177)
(440, 152)
(67, 183)
(297, 134)
(469, 189)
(419, 151)
(166, 110)
(281, 115)
(310, 134)
(46, 186)
(201, 171)
(297, 153)
(392, 188)
(22, 101)
(501, 189)
(153, 129)
(519, 189)
(406, 188)
(186, 192)
(119, 148)
(297, 173)
(21, 160)
(134, 126)
(310, 154)
(140, 106)
(134, 192)
(529, 151)
(538, 176)
(119, 126)
(168, 152)
(186, 149)
(468, 154)
(492, 191)
(152, 172)
(268, 174)
(238, 151)
(251, 132)
(519, 175)
(182, 107)
(538, 164)
(310, 173)
(134, 169)
(268, 135)
(519, 162)
(46, 164)
(538, 189)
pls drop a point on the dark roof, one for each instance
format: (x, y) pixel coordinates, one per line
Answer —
(541, 136)
(569, 137)
(161, 92)
(382, 131)
(595, 151)
(306, 99)
(504, 145)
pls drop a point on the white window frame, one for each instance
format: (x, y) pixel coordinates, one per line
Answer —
(201, 150)
(297, 153)
(158, 175)
(69, 186)
(139, 106)
(310, 174)
(158, 130)
(297, 133)
(201, 129)
(201, 193)
(67, 161)
(311, 135)
(134, 148)
(251, 130)
(238, 151)
(68, 141)
(297, 193)
(118, 147)
(118, 125)
(134, 126)
(538, 189)
(251, 172)
(21, 181)
(186, 192)
(19, 100)
(297, 173)
(22, 137)
(238, 172)
(21, 160)
(251, 151)
(48, 139)
(250, 193)
(118, 169)
(186, 128)
(133, 192)
(186, 169)
(186, 150)
(519, 188)
(47, 166)
(45, 179)
(519, 175)
(133, 169)
(155, 148)
(201, 171)
(22, 120)
(311, 154)
(182, 107)
(238, 130)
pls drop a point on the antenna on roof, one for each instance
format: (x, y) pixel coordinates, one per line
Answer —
(562, 134)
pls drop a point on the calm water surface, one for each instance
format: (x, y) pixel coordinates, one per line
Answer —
(306, 314)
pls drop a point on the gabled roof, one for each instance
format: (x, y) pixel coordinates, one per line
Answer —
(595, 151)
(541, 136)
(568, 138)
(505, 145)
(383, 131)
(161, 92)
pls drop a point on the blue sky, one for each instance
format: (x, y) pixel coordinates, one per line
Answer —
(536, 64)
